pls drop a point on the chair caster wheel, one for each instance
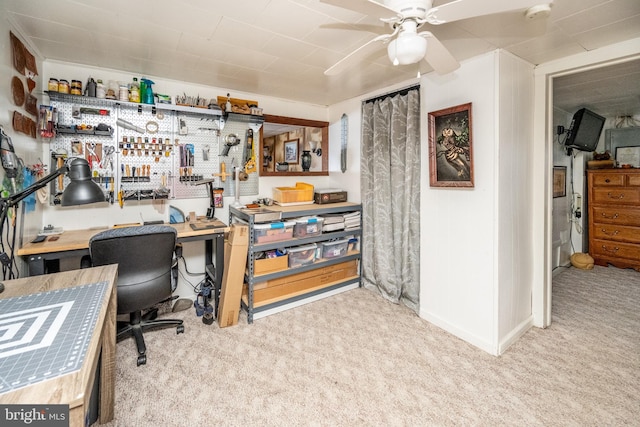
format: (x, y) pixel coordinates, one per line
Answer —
(142, 359)
(207, 319)
(180, 329)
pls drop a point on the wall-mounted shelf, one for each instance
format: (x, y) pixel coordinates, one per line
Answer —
(65, 97)
(244, 118)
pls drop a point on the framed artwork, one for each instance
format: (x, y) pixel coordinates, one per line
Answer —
(628, 156)
(291, 151)
(559, 181)
(451, 147)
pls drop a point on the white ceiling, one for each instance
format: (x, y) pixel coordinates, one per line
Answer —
(610, 91)
(281, 48)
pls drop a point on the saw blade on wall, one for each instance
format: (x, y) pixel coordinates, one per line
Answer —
(344, 134)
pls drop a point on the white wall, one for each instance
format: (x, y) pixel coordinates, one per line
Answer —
(561, 206)
(80, 217)
(90, 216)
(26, 147)
(475, 243)
(458, 226)
(514, 142)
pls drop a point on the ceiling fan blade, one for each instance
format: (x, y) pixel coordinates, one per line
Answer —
(461, 9)
(354, 57)
(366, 7)
(439, 56)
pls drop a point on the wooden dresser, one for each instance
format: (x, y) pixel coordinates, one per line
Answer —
(614, 217)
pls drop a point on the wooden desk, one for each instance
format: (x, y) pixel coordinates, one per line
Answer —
(74, 388)
(75, 243)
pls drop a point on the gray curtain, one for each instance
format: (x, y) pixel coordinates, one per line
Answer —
(390, 164)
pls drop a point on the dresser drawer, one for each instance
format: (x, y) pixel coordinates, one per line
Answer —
(616, 215)
(617, 195)
(608, 179)
(619, 233)
(608, 248)
(634, 180)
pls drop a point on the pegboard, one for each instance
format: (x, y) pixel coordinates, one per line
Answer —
(145, 160)
(197, 135)
(170, 148)
(81, 143)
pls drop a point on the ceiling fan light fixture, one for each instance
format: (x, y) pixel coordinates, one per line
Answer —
(407, 48)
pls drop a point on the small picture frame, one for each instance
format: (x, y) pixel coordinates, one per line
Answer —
(628, 156)
(451, 147)
(559, 181)
(291, 151)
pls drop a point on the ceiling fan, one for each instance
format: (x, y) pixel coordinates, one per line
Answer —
(405, 45)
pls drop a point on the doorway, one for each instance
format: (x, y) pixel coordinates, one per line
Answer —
(572, 70)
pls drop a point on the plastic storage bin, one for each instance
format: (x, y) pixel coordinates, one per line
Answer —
(302, 255)
(335, 248)
(273, 231)
(308, 226)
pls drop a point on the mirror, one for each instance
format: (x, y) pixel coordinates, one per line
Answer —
(289, 145)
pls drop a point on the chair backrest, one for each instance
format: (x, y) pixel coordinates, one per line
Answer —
(144, 255)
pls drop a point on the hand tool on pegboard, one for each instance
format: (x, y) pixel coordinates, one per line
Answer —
(250, 158)
(223, 172)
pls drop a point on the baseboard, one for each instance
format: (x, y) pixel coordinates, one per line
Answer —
(515, 334)
(472, 339)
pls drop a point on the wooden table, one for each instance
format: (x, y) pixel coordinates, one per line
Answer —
(75, 243)
(74, 388)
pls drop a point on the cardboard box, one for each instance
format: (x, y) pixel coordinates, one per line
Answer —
(323, 197)
(302, 192)
(235, 260)
(311, 273)
(285, 287)
(270, 265)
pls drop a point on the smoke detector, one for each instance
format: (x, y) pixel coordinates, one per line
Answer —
(538, 11)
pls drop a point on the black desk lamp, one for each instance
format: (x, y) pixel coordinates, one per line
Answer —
(82, 190)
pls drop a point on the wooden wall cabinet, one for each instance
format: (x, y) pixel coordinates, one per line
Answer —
(614, 217)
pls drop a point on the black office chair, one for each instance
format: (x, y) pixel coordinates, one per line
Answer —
(147, 275)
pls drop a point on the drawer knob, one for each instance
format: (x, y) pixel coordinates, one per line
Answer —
(609, 217)
(619, 196)
(607, 249)
(607, 180)
(610, 233)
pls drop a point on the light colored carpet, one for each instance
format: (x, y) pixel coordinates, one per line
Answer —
(357, 360)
